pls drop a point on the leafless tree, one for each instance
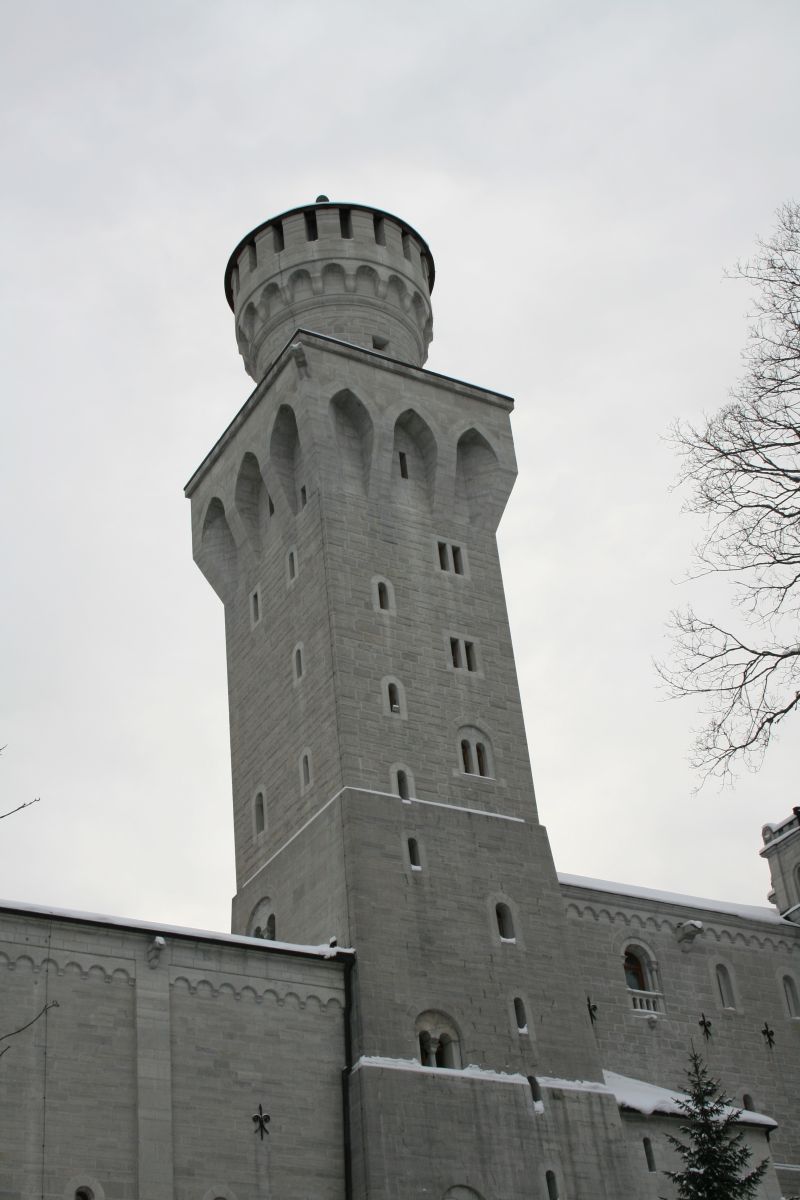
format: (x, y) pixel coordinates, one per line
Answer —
(742, 466)
(19, 807)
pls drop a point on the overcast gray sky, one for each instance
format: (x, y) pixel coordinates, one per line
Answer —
(583, 172)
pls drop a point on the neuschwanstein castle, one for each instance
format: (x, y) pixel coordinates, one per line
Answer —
(412, 1003)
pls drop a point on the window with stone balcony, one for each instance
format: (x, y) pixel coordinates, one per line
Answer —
(641, 976)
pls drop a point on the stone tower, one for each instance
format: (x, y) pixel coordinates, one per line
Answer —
(381, 784)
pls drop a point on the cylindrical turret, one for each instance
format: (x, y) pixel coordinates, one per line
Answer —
(346, 270)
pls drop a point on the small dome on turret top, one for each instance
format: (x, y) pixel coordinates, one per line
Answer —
(346, 270)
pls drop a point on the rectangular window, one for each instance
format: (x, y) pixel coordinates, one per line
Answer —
(311, 226)
(444, 557)
(458, 562)
(380, 231)
(346, 222)
(471, 657)
(403, 464)
(406, 246)
(455, 652)
(252, 257)
(255, 607)
(303, 497)
(277, 238)
(451, 557)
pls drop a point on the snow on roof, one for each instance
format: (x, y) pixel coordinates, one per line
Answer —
(647, 1098)
(748, 912)
(156, 927)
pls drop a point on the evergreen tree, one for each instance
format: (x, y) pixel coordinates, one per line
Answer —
(714, 1155)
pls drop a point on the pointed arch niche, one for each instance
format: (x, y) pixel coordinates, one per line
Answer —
(252, 502)
(218, 557)
(286, 455)
(477, 478)
(354, 440)
(414, 458)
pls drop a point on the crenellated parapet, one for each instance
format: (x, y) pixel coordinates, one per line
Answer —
(355, 273)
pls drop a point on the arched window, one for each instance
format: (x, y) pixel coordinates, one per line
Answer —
(439, 1040)
(402, 781)
(648, 1153)
(298, 662)
(790, 994)
(305, 770)
(747, 1101)
(258, 812)
(475, 752)
(394, 698)
(536, 1091)
(84, 1193)
(725, 986)
(520, 1014)
(413, 854)
(270, 934)
(505, 922)
(641, 976)
(552, 1185)
(402, 784)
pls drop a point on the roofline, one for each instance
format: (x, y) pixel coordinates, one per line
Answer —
(290, 212)
(130, 925)
(250, 402)
(638, 894)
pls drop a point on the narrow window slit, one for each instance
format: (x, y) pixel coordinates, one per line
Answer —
(458, 562)
(255, 607)
(277, 238)
(402, 785)
(444, 562)
(260, 813)
(648, 1153)
(394, 698)
(413, 854)
(406, 246)
(306, 771)
(311, 226)
(519, 1013)
(466, 757)
(455, 652)
(505, 922)
(345, 222)
(483, 765)
(403, 464)
(303, 497)
(552, 1186)
(380, 230)
(270, 505)
(469, 650)
(383, 596)
(270, 933)
(298, 663)
(252, 257)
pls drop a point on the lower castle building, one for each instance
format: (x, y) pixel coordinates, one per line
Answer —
(412, 1003)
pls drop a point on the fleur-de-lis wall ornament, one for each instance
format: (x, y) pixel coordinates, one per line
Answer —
(705, 1025)
(769, 1035)
(592, 1009)
(261, 1120)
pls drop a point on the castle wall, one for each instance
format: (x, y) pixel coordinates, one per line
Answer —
(757, 951)
(143, 1078)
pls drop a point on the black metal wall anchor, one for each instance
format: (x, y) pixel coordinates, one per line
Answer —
(592, 1009)
(261, 1120)
(705, 1025)
(769, 1035)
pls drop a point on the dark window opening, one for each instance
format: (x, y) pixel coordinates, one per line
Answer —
(303, 497)
(255, 608)
(455, 652)
(379, 343)
(466, 757)
(394, 697)
(383, 596)
(271, 927)
(648, 1153)
(469, 650)
(260, 813)
(519, 1013)
(536, 1091)
(298, 663)
(270, 505)
(277, 238)
(84, 1193)
(403, 464)
(505, 922)
(402, 785)
(634, 972)
(443, 559)
(747, 1101)
(413, 853)
(311, 226)
(483, 762)
(406, 246)
(252, 257)
(552, 1186)
(346, 222)
(292, 565)
(458, 563)
(380, 230)
(306, 771)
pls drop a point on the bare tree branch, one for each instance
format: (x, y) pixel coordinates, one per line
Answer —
(22, 1028)
(19, 807)
(742, 470)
